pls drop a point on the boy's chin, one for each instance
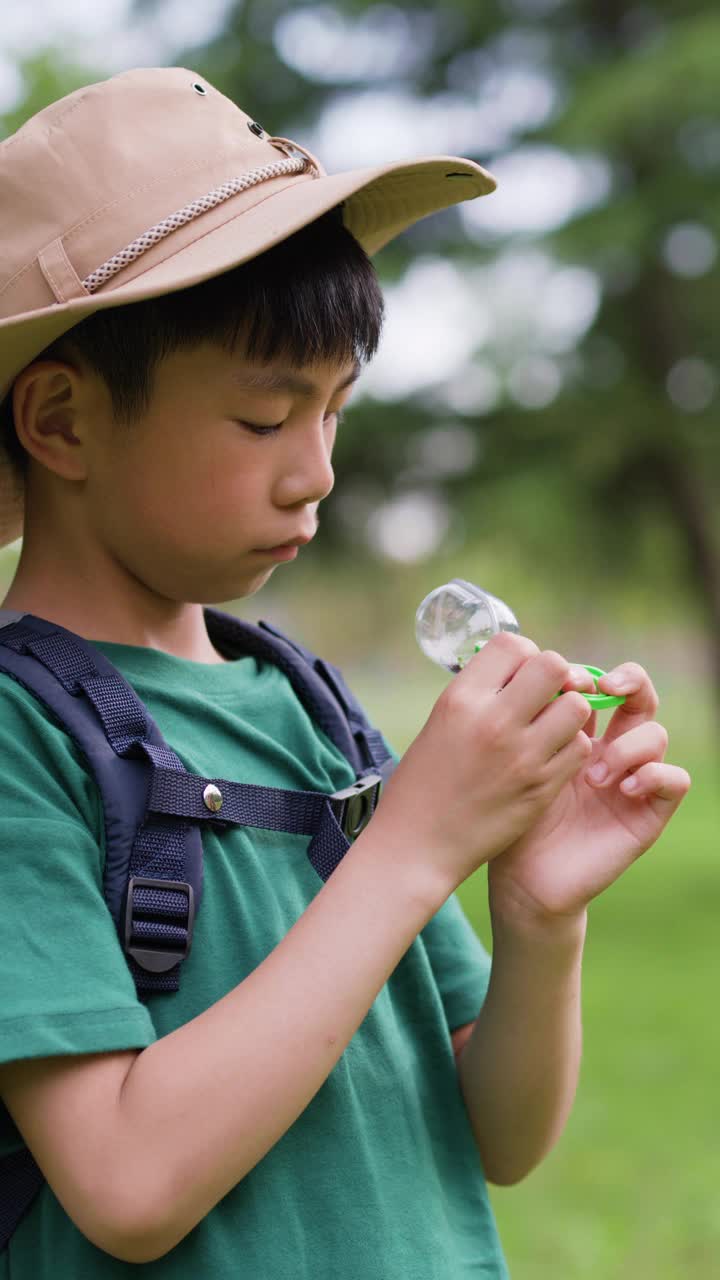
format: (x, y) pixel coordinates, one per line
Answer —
(251, 585)
(229, 588)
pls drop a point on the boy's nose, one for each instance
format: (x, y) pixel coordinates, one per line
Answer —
(308, 475)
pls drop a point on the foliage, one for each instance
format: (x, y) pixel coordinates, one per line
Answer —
(636, 87)
(629, 441)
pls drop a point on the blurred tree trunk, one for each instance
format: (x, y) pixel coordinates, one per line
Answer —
(684, 494)
(674, 474)
(671, 474)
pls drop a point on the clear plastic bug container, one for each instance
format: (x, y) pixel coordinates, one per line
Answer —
(456, 619)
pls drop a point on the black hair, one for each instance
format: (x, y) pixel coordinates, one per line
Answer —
(315, 296)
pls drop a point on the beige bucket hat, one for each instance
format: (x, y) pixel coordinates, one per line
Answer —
(153, 181)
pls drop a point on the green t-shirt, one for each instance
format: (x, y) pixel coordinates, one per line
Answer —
(379, 1178)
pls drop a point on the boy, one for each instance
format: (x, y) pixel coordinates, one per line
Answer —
(184, 314)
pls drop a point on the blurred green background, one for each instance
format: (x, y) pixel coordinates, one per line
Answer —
(542, 418)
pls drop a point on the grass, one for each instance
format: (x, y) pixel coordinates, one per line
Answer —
(631, 1190)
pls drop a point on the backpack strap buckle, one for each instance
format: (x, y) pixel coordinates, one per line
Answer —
(162, 936)
(354, 806)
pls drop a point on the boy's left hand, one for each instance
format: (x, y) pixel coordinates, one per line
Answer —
(595, 828)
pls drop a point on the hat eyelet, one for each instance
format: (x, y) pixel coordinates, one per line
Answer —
(199, 88)
(256, 128)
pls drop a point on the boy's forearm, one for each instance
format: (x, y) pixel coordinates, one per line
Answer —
(210, 1099)
(519, 1069)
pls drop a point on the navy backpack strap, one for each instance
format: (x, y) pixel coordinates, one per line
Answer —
(318, 684)
(153, 867)
(326, 697)
(333, 821)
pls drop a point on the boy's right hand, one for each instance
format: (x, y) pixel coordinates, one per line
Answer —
(493, 755)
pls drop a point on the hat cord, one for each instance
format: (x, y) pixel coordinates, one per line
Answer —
(134, 250)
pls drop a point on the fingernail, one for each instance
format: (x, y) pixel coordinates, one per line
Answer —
(598, 772)
(629, 784)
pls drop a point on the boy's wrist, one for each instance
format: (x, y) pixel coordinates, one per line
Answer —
(523, 923)
(418, 884)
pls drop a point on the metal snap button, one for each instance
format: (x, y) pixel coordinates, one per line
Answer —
(199, 88)
(256, 128)
(212, 798)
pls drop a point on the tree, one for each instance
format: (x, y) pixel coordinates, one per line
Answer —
(601, 449)
(629, 443)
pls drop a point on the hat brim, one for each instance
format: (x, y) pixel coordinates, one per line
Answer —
(379, 203)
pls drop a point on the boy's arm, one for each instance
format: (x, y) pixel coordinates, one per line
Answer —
(519, 1068)
(139, 1147)
(519, 1061)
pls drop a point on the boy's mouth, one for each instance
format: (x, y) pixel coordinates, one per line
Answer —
(293, 542)
(288, 552)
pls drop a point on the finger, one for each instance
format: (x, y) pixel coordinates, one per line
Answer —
(579, 678)
(570, 759)
(498, 660)
(581, 681)
(560, 721)
(641, 699)
(647, 741)
(665, 782)
(535, 684)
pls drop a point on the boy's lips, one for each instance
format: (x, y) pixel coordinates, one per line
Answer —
(291, 542)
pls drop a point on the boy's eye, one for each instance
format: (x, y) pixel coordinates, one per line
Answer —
(258, 429)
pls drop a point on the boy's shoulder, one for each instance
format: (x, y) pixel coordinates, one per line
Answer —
(46, 783)
(25, 720)
(31, 715)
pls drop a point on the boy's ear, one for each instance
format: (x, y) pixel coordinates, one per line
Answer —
(48, 404)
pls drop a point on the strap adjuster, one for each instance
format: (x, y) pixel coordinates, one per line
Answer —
(354, 806)
(158, 957)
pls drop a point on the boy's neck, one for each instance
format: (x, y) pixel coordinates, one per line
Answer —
(182, 632)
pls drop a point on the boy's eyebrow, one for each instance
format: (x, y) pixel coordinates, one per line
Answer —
(284, 380)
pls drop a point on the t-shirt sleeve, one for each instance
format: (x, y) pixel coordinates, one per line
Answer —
(65, 987)
(459, 961)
